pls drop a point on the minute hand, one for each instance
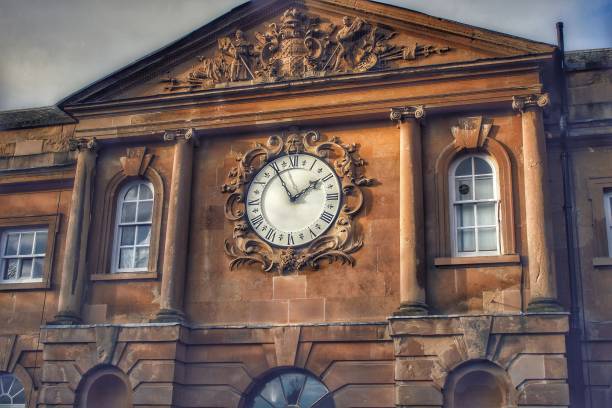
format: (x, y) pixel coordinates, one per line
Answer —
(311, 185)
(284, 185)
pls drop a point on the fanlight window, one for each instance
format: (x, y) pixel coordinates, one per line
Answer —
(12, 393)
(291, 389)
(475, 206)
(133, 227)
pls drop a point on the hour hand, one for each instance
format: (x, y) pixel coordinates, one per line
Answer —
(312, 184)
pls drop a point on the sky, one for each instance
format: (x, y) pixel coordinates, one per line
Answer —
(52, 48)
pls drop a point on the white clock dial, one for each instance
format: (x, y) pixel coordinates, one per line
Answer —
(293, 200)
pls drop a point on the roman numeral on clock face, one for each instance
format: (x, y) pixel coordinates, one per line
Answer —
(290, 240)
(275, 166)
(329, 176)
(271, 234)
(332, 196)
(257, 221)
(257, 201)
(327, 217)
(293, 160)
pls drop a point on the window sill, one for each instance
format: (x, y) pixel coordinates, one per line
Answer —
(23, 286)
(478, 260)
(124, 276)
(602, 261)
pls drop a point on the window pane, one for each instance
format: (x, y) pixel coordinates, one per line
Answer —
(273, 392)
(128, 214)
(313, 391)
(12, 242)
(481, 166)
(142, 257)
(484, 188)
(466, 241)
(143, 236)
(126, 258)
(37, 271)
(26, 268)
(260, 403)
(10, 269)
(41, 243)
(465, 215)
(326, 402)
(486, 214)
(463, 189)
(132, 194)
(144, 211)
(465, 168)
(487, 239)
(127, 235)
(292, 385)
(145, 192)
(27, 243)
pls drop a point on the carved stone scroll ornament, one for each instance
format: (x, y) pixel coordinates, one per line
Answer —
(337, 244)
(521, 103)
(471, 132)
(298, 46)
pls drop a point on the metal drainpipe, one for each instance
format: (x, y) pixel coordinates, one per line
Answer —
(576, 369)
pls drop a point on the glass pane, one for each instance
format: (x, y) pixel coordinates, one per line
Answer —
(5, 399)
(128, 214)
(145, 192)
(37, 271)
(273, 393)
(19, 398)
(127, 235)
(465, 215)
(26, 244)
(41, 243)
(6, 380)
(487, 239)
(10, 269)
(313, 391)
(143, 237)
(126, 258)
(132, 194)
(486, 214)
(261, 403)
(12, 242)
(481, 166)
(292, 385)
(466, 241)
(26, 268)
(144, 211)
(463, 189)
(326, 402)
(464, 168)
(142, 257)
(484, 188)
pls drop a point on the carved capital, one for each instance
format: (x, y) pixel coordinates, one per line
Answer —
(408, 112)
(471, 132)
(136, 161)
(186, 135)
(522, 103)
(83, 144)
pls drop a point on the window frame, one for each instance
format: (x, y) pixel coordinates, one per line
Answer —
(51, 223)
(116, 243)
(4, 235)
(453, 204)
(607, 206)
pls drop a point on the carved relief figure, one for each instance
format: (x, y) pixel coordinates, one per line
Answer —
(347, 38)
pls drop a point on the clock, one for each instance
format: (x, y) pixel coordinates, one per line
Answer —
(293, 200)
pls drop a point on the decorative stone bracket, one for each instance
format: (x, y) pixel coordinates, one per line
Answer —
(471, 132)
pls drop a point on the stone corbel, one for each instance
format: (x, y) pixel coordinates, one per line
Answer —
(408, 112)
(522, 103)
(471, 132)
(136, 161)
(83, 144)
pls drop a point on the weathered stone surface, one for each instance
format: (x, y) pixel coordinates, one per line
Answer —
(476, 331)
(544, 394)
(359, 396)
(286, 344)
(417, 394)
(414, 369)
(358, 372)
(153, 394)
(306, 310)
(289, 287)
(57, 394)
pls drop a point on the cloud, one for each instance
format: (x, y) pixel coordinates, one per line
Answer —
(51, 48)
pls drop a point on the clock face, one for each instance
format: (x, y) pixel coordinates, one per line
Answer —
(293, 199)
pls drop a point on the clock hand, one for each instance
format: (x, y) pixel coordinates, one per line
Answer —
(312, 184)
(283, 183)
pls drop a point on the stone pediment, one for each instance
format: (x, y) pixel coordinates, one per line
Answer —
(269, 41)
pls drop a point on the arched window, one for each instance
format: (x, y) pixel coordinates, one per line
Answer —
(133, 227)
(103, 388)
(479, 384)
(475, 206)
(12, 393)
(290, 389)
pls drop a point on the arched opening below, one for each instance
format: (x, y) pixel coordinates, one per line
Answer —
(105, 388)
(479, 389)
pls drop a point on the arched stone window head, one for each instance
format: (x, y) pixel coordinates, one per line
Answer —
(289, 389)
(104, 388)
(12, 392)
(479, 384)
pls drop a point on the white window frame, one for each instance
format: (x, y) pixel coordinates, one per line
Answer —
(454, 203)
(12, 395)
(4, 233)
(118, 224)
(607, 197)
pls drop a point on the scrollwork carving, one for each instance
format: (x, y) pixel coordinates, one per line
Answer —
(342, 239)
